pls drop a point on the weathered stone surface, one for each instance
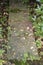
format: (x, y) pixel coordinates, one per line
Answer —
(22, 39)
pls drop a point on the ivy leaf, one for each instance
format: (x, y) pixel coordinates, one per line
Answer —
(1, 62)
(38, 43)
(1, 52)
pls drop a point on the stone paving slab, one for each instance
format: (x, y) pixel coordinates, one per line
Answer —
(22, 38)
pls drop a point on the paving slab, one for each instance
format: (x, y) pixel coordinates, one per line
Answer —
(22, 39)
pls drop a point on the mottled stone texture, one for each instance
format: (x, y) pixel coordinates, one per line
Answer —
(22, 38)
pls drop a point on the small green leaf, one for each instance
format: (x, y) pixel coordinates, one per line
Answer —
(1, 52)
